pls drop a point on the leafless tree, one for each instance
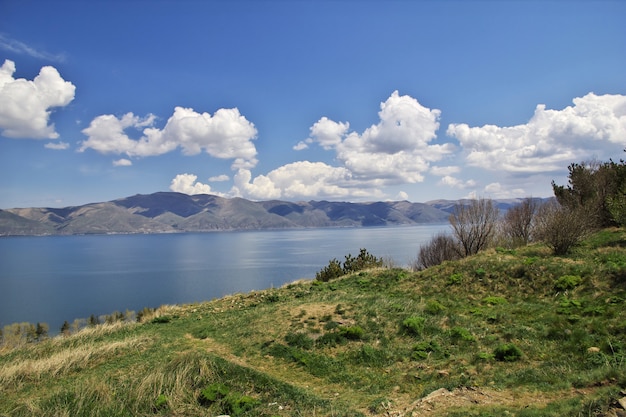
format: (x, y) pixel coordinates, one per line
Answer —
(474, 225)
(442, 247)
(519, 222)
(560, 227)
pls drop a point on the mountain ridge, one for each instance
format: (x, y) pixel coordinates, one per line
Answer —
(171, 212)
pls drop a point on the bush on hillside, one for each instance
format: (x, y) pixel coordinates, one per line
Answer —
(335, 269)
(561, 228)
(474, 225)
(442, 247)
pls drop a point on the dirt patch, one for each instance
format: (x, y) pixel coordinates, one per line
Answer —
(442, 401)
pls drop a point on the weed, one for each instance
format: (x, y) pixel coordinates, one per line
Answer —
(493, 300)
(434, 307)
(567, 282)
(459, 334)
(414, 325)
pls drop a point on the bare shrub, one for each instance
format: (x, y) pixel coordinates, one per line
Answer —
(560, 228)
(474, 225)
(519, 222)
(442, 247)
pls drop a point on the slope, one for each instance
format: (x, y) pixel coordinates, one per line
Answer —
(506, 332)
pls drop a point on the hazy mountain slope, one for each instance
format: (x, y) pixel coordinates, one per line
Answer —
(165, 212)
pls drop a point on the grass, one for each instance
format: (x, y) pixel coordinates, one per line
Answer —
(506, 332)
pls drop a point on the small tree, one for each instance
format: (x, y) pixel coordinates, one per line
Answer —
(65, 328)
(364, 260)
(41, 331)
(560, 228)
(442, 247)
(474, 225)
(519, 222)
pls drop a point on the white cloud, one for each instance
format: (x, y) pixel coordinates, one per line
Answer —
(402, 196)
(454, 182)
(396, 150)
(303, 180)
(328, 133)
(443, 171)
(226, 135)
(58, 146)
(497, 190)
(302, 145)
(595, 126)
(25, 105)
(122, 163)
(219, 178)
(186, 184)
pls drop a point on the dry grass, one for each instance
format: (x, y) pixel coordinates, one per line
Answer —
(69, 359)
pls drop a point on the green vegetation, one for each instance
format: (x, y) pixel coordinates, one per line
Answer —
(503, 332)
(335, 269)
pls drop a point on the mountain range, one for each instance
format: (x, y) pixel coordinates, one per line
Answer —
(170, 212)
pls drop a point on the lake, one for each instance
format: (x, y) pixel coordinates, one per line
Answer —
(56, 278)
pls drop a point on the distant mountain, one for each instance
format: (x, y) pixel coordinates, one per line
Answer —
(169, 212)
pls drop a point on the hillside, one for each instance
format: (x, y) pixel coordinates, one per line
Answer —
(168, 212)
(506, 332)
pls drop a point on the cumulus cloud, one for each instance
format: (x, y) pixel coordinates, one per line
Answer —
(497, 190)
(25, 106)
(57, 146)
(328, 133)
(219, 178)
(552, 139)
(396, 150)
(303, 180)
(454, 182)
(402, 196)
(225, 135)
(122, 162)
(302, 145)
(187, 184)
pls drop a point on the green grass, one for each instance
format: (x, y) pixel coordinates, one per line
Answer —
(518, 332)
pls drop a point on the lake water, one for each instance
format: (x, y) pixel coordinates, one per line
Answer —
(56, 278)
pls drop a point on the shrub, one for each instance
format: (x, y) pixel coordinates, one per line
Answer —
(507, 352)
(335, 269)
(474, 225)
(519, 222)
(459, 334)
(423, 349)
(414, 325)
(434, 307)
(455, 278)
(493, 300)
(226, 400)
(364, 260)
(567, 282)
(442, 247)
(560, 228)
(352, 332)
(331, 271)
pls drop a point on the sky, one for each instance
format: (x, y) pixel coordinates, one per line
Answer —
(305, 100)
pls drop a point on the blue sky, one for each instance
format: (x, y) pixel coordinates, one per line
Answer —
(305, 100)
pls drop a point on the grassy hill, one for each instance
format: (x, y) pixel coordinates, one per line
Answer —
(506, 332)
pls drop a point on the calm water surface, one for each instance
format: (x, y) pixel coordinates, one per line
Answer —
(56, 278)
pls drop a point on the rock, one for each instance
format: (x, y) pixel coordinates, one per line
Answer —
(593, 349)
(622, 402)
